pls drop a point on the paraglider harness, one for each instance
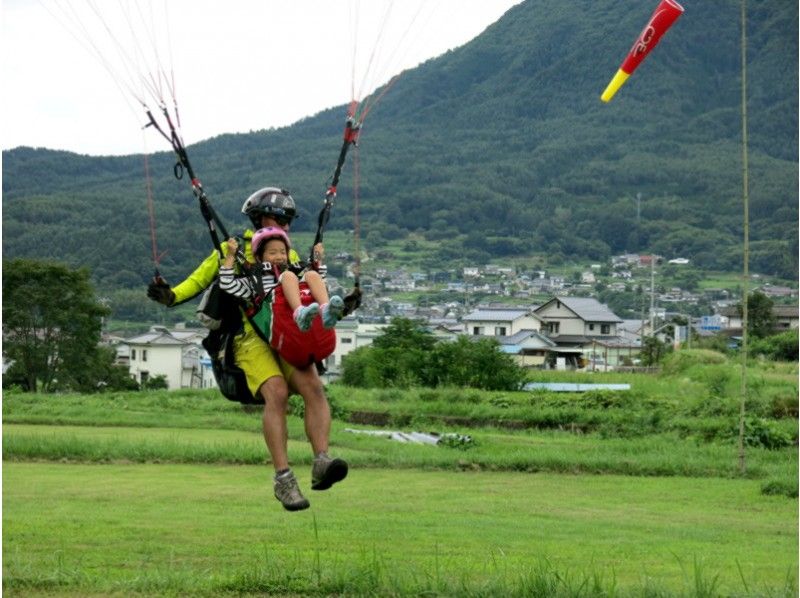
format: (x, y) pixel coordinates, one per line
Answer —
(221, 312)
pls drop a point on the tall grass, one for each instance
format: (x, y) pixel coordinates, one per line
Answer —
(369, 576)
(680, 423)
(491, 450)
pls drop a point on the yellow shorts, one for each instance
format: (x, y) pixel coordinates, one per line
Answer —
(258, 360)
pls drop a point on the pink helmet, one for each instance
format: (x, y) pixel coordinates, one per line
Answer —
(262, 235)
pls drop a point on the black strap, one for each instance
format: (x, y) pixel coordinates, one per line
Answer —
(213, 222)
(350, 138)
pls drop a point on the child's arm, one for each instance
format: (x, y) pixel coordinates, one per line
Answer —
(238, 287)
(231, 253)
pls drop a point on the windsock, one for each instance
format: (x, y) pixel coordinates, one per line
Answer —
(665, 14)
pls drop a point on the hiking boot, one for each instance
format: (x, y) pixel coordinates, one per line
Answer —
(288, 493)
(305, 314)
(326, 472)
(332, 312)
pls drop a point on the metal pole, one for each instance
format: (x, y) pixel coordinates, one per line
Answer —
(689, 333)
(746, 227)
(652, 295)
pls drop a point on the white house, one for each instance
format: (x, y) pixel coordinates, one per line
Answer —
(176, 354)
(581, 316)
(350, 335)
(500, 321)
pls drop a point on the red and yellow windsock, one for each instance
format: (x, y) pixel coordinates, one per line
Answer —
(665, 14)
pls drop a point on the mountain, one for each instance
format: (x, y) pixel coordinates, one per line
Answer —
(498, 148)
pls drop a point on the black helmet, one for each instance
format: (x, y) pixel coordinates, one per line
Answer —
(269, 201)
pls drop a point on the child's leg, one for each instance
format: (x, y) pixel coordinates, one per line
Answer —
(303, 315)
(332, 308)
(291, 289)
(317, 286)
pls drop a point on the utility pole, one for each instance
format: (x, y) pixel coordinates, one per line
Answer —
(652, 294)
(746, 267)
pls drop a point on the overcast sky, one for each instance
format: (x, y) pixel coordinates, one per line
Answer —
(238, 65)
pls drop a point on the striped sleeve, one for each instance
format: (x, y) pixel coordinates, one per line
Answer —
(238, 287)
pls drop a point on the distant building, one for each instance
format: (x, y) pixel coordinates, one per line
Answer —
(786, 317)
(501, 321)
(777, 291)
(350, 335)
(175, 354)
(578, 316)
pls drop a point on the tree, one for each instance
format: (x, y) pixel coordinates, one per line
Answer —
(474, 364)
(51, 324)
(760, 319)
(403, 333)
(653, 351)
(407, 355)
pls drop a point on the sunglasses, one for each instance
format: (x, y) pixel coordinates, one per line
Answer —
(281, 220)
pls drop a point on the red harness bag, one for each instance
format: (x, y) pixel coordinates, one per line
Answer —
(274, 321)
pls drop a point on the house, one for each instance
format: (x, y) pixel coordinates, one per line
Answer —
(350, 335)
(529, 348)
(731, 317)
(585, 326)
(713, 323)
(577, 316)
(777, 291)
(178, 355)
(786, 317)
(626, 259)
(500, 321)
(632, 331)
(649, 260)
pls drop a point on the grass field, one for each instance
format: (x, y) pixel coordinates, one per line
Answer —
(208, 529)
(169, 494)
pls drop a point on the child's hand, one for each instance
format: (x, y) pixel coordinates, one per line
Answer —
(233, 246)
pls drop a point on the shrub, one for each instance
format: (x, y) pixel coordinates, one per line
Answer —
(156, 383)
(784, 406)
(606, 398)
(474, 364)
(779, 347)
(463, 363)
(716, 379)
(763, 433)
(298, 407)
(780, 488)
(680, 361)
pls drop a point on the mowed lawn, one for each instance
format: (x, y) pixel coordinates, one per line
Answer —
(212, 529)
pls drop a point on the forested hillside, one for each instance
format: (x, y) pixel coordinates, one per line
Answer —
(498, 148)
